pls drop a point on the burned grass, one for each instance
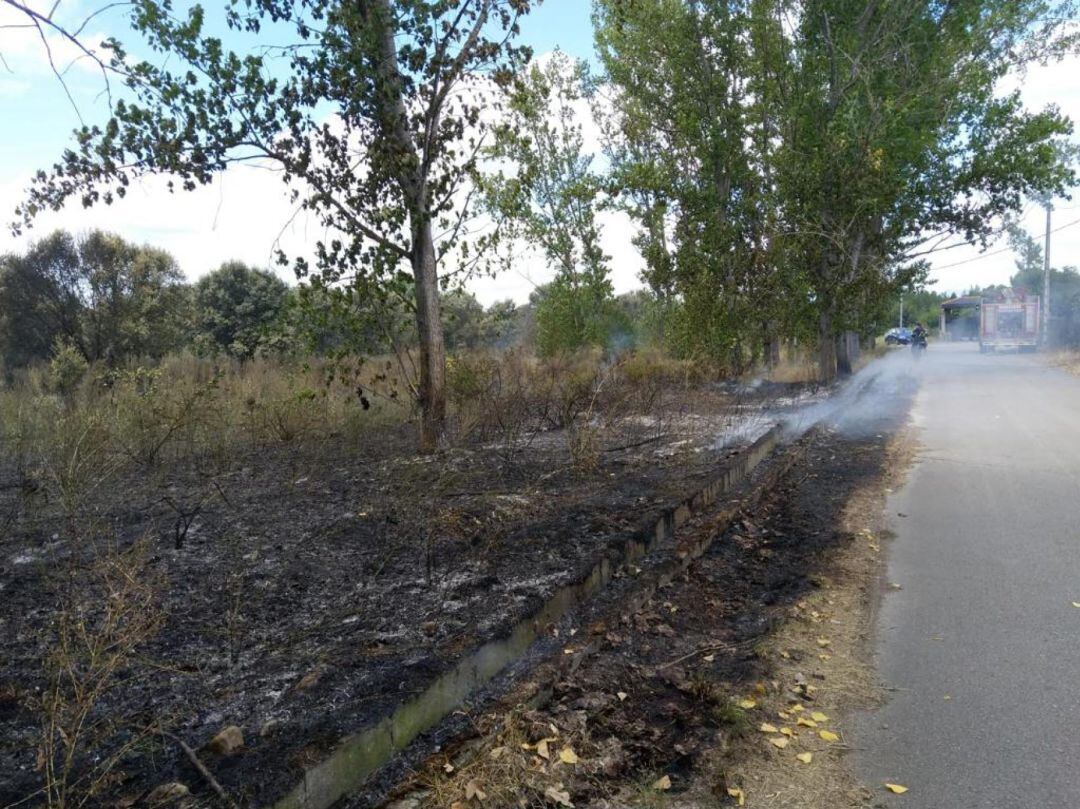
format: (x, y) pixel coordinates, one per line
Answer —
(710, 692)
(305, 587)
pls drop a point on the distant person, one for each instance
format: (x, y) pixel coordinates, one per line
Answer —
(918, 334)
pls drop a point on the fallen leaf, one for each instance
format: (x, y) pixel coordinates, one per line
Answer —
(542, 749)
(497, 752)
(785, 655)
(559, 796)
(568, 756)
(662, 783)
(828, 736)
(737, 794)
(796, 708)
(622, 695)
(896, 789)
(788, 732)
(806, 723)
(767, 728)
(818, 716)
(1076, 604)
(783, 714)
(448, 767)
(747, 704)
(824, 657)
(780, 741)
(709, 658)
(474, 792)
(805, 758)
(823, 642)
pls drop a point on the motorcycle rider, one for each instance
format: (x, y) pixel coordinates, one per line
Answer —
(918, 334)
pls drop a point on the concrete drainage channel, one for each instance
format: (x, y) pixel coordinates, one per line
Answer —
(361, 755)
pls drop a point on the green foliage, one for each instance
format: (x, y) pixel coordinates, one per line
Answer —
(550, 198)
(235, 308)
(786, 162)
(100, 295)
(573, 312)
(66, 368)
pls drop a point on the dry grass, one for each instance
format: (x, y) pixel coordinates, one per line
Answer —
(1066, 359)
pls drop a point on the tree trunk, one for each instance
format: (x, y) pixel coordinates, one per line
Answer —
(432, 386)
(845, 362)
(826, 346)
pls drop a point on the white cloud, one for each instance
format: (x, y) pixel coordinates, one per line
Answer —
(241, 215)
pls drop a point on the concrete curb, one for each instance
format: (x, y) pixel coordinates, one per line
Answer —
(360, 755)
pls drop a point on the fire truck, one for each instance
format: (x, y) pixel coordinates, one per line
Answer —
(1012, 323)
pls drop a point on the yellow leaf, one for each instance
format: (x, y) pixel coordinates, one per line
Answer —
(818, 716)
(737, 794)
(796, 708)
(896, 789)
(787, 732)
(805, 758)
(823, 642)
(662, 783)
(785, 655)
(828, 736)
(568, 756)
(747, 703)
(824, 657)
(767, 728)
(779, 741)
(806, 723)
(542, 749)
(783, 714)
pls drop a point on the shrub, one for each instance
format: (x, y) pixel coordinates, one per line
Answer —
(66, 368)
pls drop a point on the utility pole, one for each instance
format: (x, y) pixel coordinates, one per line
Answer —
(901, 310)
(1046, 280)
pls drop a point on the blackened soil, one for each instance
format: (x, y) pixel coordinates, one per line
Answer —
(307, 590)
(684, 661)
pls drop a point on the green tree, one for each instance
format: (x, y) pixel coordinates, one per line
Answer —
(894, 131)
(135, 300)
(550, 198)
(690, 139)
(102, 296)
(41, 301)
(235, 307)
(372, 113)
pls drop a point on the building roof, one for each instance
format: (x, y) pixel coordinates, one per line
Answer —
(964, 302)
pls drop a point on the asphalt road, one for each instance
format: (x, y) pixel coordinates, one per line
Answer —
(982, 644)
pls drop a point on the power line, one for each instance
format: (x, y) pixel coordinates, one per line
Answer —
(981, 256)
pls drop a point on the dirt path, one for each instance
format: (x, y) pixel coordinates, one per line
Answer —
(665, 705)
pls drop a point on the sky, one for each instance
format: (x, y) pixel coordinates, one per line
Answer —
(245, 213)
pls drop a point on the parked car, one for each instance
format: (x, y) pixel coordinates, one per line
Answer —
(898, 336)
